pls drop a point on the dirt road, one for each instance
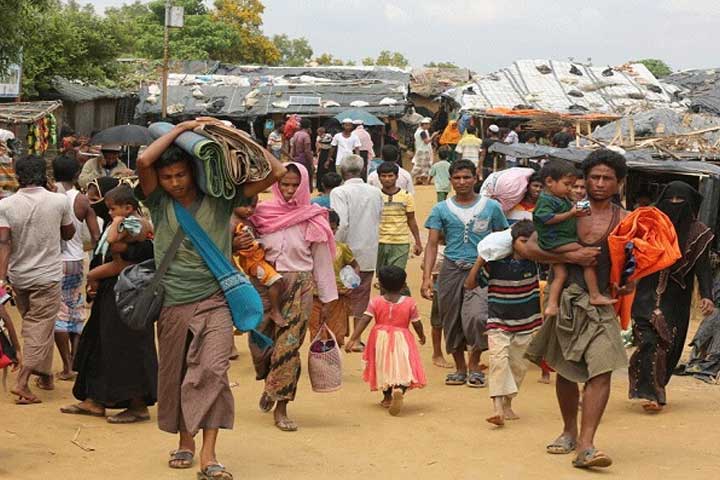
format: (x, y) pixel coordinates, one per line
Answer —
(440, 435)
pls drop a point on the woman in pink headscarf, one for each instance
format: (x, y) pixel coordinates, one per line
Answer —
(299, 242)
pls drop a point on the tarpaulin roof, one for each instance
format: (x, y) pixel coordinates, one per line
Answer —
(432, 82)
(566, 87)
(636, 159)
(700, 87)
(78, 92)
(247, 92)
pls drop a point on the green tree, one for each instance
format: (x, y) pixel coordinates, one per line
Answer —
(441, 65)
(19, 17)
(70, 41)
(294, 52)
(656, 66)
(327, 59)
(368, 61)
(391, 59)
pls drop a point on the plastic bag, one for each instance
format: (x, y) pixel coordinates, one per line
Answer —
(349, 278)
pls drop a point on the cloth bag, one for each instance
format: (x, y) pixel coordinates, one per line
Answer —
(325, 363)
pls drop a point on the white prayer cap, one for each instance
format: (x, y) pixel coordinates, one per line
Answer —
(347, 120)
(426, 120)
(494, 128)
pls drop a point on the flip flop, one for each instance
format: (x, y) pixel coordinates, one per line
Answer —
(652, 407)
(183, 459)
(214, 471)
(562, 445)
(128, 417)
(476, 380)
(590, 458)
(77, 410)
(286, 425)
(456, 378)
(25, 400)
(42, 386)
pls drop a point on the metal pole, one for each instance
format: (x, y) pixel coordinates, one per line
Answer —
(166, 40)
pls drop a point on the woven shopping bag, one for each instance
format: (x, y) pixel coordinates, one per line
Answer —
(325, 363)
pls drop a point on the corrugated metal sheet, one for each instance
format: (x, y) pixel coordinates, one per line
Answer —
(71, 91)
(557, 86)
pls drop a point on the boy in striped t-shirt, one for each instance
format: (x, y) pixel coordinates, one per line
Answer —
(513, 315)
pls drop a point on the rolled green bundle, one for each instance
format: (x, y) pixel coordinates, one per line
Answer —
(212, 177)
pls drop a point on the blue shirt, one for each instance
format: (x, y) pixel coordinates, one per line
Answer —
(322, 200)
(461, 240)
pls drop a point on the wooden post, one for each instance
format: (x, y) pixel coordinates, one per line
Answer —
(165, 67)
(631, 127)
(578, 133)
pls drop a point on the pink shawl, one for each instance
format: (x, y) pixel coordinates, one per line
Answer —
(278, 214)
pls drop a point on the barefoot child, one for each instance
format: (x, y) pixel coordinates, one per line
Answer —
(392, 359)
(555, 220)
(513, 315)
(252, 261)
(335, 314)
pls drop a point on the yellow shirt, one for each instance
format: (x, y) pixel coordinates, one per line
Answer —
(393, 224)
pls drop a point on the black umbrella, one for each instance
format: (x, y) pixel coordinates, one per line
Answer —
(131, 135)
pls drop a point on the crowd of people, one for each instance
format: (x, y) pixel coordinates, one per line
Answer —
(482, 269)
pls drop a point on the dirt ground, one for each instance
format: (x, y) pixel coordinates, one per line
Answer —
(440, 434)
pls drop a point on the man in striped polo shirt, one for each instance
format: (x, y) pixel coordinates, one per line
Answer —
(513, 315)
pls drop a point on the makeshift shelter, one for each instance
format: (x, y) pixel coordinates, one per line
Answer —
(88, 108)
(701, 88)
(549, 94)
(30, 121)
(428, 84)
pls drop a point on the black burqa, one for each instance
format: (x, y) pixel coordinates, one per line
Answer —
(660, 338)
(114, 363)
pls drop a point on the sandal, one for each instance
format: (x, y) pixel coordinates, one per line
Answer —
(396, 403)
(476, 380)
(214, 471)
(457, 378)
(44, 386)
(181, 459)
(592, 457)
(359, 348)
(128, 416)
(286, 425)
(76, 409)
(561, 446)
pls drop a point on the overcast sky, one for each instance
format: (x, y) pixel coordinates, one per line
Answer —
(487, 34)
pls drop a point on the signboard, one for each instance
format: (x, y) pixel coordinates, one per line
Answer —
(174, 17)
(10, 83)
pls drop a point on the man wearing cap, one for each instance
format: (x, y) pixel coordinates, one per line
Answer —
(422, 161)
(344, 143)
(487, 161)
(366, 144)
(108, 164)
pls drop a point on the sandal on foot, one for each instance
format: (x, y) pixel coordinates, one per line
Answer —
(592, 457)
(26, 399)
(265, 404)
(359, 347)
(476, 380)
(128, 417)
(457, 378)
(181, 459)
(561, 446)
(214, 471)
(42, 385)
(652, 407)
(76, 409)
(286, 425)
(396, 403)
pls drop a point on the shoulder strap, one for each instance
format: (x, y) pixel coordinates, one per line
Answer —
(173, 248)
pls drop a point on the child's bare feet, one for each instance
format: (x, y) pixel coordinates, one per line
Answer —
(551, 310)
(600, 300)
(497, 420)
(508, 412)
(545, 378)
(387, 399)
(277, 318)
(441, 362)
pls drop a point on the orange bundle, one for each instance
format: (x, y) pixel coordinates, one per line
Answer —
(655, 248)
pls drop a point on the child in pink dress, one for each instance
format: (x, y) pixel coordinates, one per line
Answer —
(391, 357)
